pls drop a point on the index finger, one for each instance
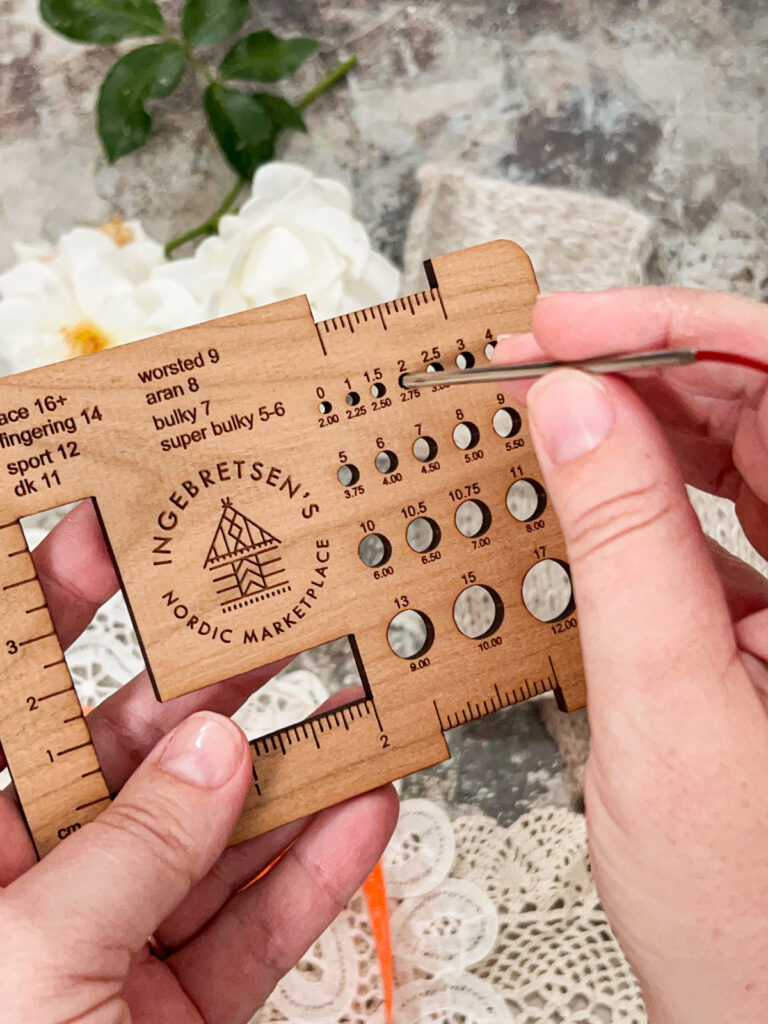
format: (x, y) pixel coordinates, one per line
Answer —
(703, 407)
(578, 325)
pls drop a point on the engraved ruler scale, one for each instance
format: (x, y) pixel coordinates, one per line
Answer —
(266, 485)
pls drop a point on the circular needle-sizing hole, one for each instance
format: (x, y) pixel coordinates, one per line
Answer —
(473, 518)
(478, 611)
(386, 461)
(547, 590)
(425, 449)
(353, 398)
(422, 534)
(374, 550)
(465, 360)
(378, 390)
(507, 422)
(465, 435)
(526, 500)
(434, 367)
(410, 634)
(348, 474)
(325, 408)
(489, 349)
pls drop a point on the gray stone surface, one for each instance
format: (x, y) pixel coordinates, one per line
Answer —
(660, 102)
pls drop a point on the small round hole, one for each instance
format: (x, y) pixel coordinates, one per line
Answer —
(507, 422)
(526, 500)
(473, 518)
(465, 435)
(489, 349)
(410, 634)
(378, 390)
(547, 590)
(374, 550)
(478, 611)
(386, 462)
(353, 398)
(425, 449)
(348, 474)
(434, 367)
(325, 408)
(465, 360)
(422, 534)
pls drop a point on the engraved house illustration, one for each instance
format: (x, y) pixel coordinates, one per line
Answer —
(244, 560)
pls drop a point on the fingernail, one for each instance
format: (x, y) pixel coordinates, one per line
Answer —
(206, 750)
(571, 414)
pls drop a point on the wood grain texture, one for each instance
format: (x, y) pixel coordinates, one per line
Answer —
(213, 456)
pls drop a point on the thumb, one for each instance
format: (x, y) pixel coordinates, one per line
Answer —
(655, 631)
(115, 880)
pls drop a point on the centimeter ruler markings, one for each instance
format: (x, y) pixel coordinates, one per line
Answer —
(49, 751)
(497, 700)
(412, 304)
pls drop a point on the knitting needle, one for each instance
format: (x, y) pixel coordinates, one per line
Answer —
(619, 363)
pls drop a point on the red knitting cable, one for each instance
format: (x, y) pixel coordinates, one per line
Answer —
(710, 356)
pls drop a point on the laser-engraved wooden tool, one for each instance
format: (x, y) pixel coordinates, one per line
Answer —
(265, 486)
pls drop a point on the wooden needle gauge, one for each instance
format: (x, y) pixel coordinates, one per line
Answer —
(265, 486)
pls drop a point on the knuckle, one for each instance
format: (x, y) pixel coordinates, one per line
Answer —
(601, 527)
(159, 829)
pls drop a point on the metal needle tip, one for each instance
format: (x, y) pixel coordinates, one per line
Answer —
(619, 363)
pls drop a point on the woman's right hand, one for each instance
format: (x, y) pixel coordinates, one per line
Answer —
(674, 633)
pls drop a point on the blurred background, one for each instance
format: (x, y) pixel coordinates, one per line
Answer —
(659, 102)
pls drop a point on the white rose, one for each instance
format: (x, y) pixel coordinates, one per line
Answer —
(91, 290)
(294, 235)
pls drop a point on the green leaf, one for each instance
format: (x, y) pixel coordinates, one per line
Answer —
(242, 127)
(206, 22)
(281, 113)
(102, 21)
(262, 57)
(150, 71)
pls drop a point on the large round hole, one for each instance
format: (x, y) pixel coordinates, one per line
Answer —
(478, 611)
(465, 435)
(425, 449)
(507, 422)
(473, 518)
(547, 590)
(386, 462)
(348, 474)
(465, 360)
(422, 534)
(410, 634)
(526, 500)
(374, 550)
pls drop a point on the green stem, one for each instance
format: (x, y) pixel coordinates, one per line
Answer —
(326, 83)
(210, 224)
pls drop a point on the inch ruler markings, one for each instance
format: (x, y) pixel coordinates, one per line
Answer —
(49, 749)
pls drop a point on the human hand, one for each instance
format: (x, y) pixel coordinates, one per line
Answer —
(674, 633)
(74, 928)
